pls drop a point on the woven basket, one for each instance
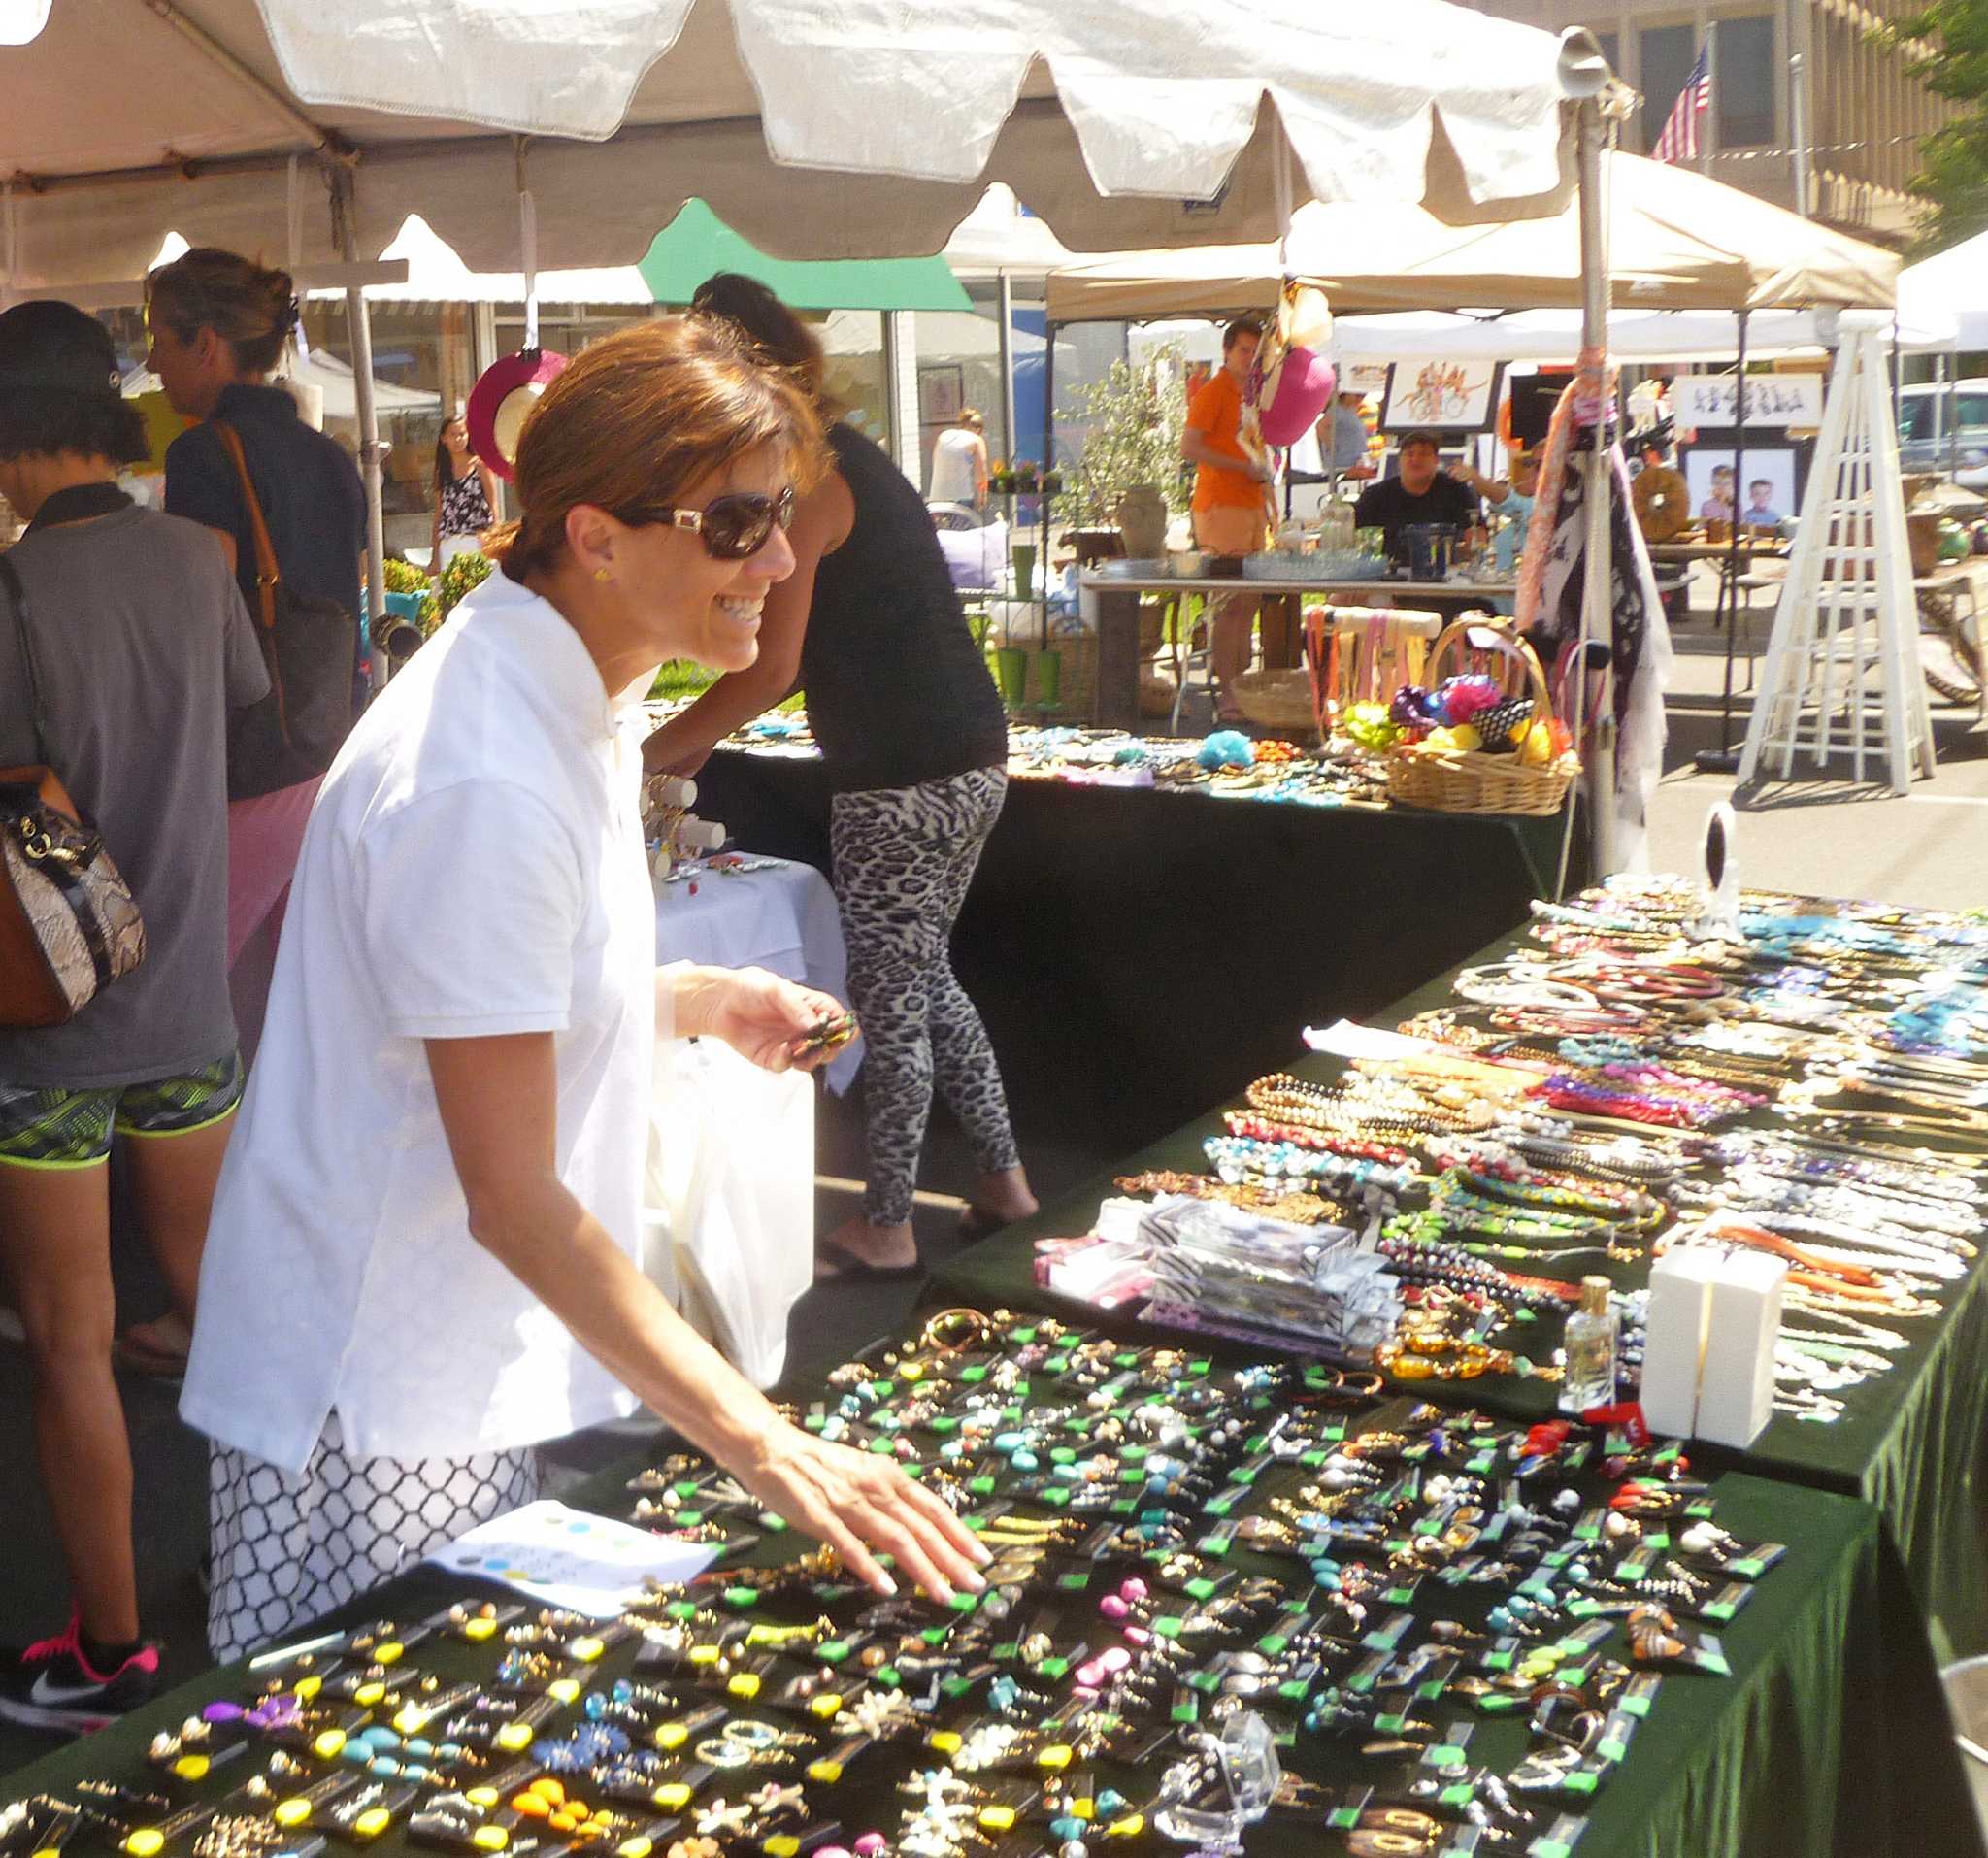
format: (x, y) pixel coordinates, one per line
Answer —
(1469, 780)
(1276, 700)
(1077, 684)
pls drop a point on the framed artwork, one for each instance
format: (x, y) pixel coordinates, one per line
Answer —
(1447, 395)
(1771, 474)
(941, 392)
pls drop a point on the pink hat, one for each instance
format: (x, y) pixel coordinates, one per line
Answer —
(506, 391)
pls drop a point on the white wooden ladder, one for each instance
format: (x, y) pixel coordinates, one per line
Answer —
(1842, 673)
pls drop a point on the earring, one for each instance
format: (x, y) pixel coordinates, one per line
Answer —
(600, 574)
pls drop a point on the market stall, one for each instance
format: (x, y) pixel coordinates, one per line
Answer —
(445, 1712)
(1148, 947)
(1892, 1410)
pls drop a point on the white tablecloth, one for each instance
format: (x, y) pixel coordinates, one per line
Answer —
(779, 915)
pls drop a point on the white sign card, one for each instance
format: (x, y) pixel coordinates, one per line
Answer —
(1772, 400)
(561, 1557)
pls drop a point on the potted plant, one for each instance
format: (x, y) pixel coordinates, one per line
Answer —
(1129, 470)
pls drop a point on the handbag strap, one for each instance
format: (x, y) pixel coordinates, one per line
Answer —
(17, 599)
(266, 572)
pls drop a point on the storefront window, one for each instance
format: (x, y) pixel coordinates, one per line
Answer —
(1667, 55)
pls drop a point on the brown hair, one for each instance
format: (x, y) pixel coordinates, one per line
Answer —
(250, 307)
(1241, 327)
(640, 414)
(969, 417)
(774, 328)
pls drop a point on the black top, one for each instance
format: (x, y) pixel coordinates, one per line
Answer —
(897, 690)
(1388, 506)
(308, 488)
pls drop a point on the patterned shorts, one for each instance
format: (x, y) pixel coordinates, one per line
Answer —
(44, 1126)
(289, 1549)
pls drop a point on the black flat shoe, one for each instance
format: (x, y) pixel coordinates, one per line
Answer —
(852, 1268)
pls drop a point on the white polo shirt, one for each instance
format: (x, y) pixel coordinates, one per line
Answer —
(473, 866)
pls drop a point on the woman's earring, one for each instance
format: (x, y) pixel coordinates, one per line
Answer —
(600, 574)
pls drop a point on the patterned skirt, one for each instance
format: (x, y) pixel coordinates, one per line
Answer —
(290, 1547)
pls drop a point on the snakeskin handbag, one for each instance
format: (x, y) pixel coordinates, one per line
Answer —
(69, 925)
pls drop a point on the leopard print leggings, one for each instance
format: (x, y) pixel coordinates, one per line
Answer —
(904, 857)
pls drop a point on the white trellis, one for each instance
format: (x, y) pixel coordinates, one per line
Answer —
(1843, 676)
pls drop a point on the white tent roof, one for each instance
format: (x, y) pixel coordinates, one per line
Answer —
(1953, 283)
(1677, 240)
(333, 378)
(1119, 121)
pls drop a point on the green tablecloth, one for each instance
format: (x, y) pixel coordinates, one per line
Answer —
(1913, 1441)
(1826, 1741)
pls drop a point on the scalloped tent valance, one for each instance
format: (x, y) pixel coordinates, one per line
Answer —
(864, 129)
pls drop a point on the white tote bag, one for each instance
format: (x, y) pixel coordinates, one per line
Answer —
(729, 1214)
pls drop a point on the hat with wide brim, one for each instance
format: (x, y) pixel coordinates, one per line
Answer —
(505, 392)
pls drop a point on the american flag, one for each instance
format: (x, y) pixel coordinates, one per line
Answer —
(1679, 140)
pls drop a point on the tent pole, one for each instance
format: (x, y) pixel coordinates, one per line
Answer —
(360, 320)
(1005, 286)
(1725, 759)
(1596, 614)
(1049, 463)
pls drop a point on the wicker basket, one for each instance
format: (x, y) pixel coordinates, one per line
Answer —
(1469, 780)
(1276, 700)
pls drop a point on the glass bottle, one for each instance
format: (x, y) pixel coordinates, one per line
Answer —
(1590, 1343)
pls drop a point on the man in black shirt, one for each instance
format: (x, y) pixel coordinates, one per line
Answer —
(1421, 493)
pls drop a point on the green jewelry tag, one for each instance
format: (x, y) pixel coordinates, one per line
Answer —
(1216, 1545)
(1168, 1626)
(1201, 1588)
(814, 1422)
(1057, 1494)
(881, 1447)
(887, 1676)
(975, 1371)
(741, 1597)
(1056, 1667)
(1021, 1337)
(1582, 1780)
(944, 1423)
(1612, 1749)
(1074, 1582)
(1062, 1455)
(1056, 1363)
(833, 1651)
(1220, 1506)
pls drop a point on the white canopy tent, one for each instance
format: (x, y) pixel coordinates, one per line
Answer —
(1676, 240)
(1118, 124)
(1954, 285)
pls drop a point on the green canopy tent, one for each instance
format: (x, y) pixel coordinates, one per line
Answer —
(697, 242)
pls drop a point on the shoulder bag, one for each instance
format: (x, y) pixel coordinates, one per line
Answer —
(69, 925)
(311, 646)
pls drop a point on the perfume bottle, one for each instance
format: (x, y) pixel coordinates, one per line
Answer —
(1591, 1330)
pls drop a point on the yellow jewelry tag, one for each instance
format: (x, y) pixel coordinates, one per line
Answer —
(1058, 1754)
(1083, 1809)
(145, 1842)
(705, 1654)
(484, 1797)
(996, 1817)
(479, 1629)
(291, 1812)
(782, 1845)
(367, 1695)
(389, 1653)
(825, 1705)
(411, 1720)
(672, 1734)
(515, 1736)
(489, 1838)
(745, 1683)
(1130, 1827)
(192, 1766)
(673, 1796)
(304, 1688)
(948, 1742)
(824, 1772)
(327, 1742)
(564, 1690)
(584, 1651)
(371, 1824)
(636, 1847)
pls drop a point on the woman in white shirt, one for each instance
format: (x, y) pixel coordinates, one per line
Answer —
(424, 1255)
(959, 463)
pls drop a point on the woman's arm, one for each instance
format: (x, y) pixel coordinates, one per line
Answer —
(493, 491)
(979, 455)
(1197, 450)
(497, 1098)
(683, 743)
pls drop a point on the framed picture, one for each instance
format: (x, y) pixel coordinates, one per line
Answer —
(941, 392)
(1773, 479)
(1447, 395)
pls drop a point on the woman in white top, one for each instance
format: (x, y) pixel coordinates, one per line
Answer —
(959, 463)
(423, 1256)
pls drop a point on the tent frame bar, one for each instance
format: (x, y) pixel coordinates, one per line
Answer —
(323, 142)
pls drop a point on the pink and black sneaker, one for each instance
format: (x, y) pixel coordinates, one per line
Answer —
(54, 1685)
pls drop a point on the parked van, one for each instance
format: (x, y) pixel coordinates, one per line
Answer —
(1962, 400)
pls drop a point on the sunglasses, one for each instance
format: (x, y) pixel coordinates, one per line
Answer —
(735, 528)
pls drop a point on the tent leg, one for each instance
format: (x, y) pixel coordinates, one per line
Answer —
(358, 316)
(1004, 287)
(1596, 605)
(1725, 759)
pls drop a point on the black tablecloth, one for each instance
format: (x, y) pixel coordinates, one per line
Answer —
(1914, 1441)
(1137, 952)
(1825, 1743)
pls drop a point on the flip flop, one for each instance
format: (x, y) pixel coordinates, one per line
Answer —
(854, 1269)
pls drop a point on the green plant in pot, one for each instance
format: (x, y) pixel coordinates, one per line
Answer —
(1129, 470)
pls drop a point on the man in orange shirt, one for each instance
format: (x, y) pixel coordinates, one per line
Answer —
(1231, 499)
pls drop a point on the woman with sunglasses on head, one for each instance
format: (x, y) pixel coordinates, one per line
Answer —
(915, 742)
(424, 1252)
